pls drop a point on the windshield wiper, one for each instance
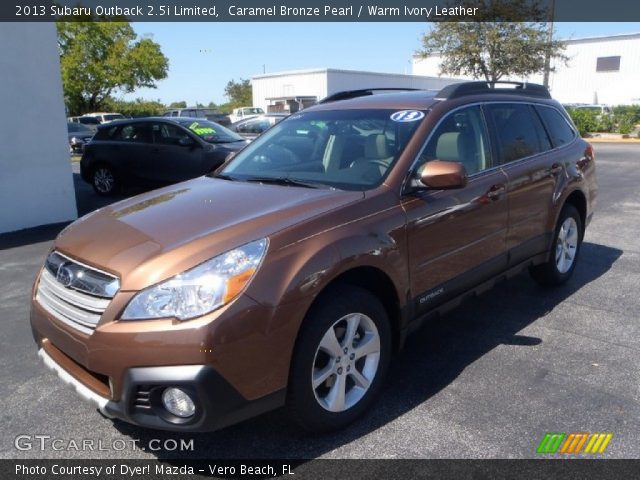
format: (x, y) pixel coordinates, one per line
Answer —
(223, 176)
(285, 181)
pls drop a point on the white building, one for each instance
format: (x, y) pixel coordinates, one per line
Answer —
(36, 183)
(291, 91)
(600, 70)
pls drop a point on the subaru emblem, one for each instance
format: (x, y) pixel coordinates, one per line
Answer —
(64, 275)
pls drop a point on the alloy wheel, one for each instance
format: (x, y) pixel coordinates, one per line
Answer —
(346, 362)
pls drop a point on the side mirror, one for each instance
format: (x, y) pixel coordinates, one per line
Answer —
(443, 175)
(186, 141)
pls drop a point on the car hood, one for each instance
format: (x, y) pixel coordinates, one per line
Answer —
(156, 235)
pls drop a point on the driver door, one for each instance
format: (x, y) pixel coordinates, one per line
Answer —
(457, 238)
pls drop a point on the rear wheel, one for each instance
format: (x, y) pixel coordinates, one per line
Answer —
(564, 249)
(104, 180)
(340, 360)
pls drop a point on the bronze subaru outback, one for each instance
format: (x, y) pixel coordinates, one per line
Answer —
(291, 274)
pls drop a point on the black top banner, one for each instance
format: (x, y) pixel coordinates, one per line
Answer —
(320, 10)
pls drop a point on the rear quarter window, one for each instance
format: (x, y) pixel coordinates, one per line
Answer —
(559, 129)
(518, 129)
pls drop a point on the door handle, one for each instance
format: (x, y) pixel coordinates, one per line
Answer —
(555, 169)
(496, 192)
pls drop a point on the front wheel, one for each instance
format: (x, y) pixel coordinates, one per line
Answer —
(564, 250)
(340, 360)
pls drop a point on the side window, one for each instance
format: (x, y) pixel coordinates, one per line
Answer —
(518, 130)
(166, 134)
(557, 126)
(135, 132)
(460, 137)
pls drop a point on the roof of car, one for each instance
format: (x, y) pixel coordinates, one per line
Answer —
(401, 99)
(414, 99)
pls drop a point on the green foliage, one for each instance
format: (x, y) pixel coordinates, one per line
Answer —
(502, 42)
(181, 104)
(625, 123)
(586, 121)
(632, 111)
(137, 108)
(590, 121)
(240, 94)
(98, 59)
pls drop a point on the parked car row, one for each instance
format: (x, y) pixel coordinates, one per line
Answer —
(251, 127)
(195, 112)
(155, 151)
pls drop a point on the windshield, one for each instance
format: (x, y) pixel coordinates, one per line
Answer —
(346, 149)
(210, 132)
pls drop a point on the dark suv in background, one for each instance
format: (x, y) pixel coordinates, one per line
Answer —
(155, 151)
(291, 274)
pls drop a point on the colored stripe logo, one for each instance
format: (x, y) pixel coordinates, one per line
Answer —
(573, 443)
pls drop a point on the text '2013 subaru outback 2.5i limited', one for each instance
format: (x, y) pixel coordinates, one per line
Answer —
(291, 274)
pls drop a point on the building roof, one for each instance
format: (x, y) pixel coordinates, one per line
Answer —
(335, 70)
(617, 36)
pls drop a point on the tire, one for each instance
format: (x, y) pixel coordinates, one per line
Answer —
(564, 251)
(104, 180)
(322, 351)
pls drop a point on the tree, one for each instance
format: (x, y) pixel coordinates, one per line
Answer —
(137, 108)
(509, 37)
(240, 93)
(98, 59)
(181, 104)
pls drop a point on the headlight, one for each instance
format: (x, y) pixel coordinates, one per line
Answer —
(201, 289)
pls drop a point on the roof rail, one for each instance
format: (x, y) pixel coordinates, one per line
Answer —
(347, 94)
(456, 90)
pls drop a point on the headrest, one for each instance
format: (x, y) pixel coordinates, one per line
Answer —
(375, 147)
(447, 147)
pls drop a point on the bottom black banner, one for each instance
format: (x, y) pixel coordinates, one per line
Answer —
(566, 469)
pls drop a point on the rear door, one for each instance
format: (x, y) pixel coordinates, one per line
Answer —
(532, 172)
(456, 238)
(127, 147)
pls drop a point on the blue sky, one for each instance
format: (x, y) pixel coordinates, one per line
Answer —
(203, 57)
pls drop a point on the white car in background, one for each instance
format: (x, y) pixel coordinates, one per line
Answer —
(105, 117)
(245, 112)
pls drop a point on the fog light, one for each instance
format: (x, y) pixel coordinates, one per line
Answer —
(178, 402)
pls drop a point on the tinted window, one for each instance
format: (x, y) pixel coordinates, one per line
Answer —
(135, 132)
(460, 137)
(167, 134)
(559, 129)
(518, 130)
(89, 120)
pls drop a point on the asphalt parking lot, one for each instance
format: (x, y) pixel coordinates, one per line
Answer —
(487, 381)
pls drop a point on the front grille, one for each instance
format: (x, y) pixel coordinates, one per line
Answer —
(70, 302)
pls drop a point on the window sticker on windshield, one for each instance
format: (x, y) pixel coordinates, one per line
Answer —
(195, 127)
(407, 116)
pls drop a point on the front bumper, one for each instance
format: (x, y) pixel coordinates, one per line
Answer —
(218, 404)
(234, 361)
